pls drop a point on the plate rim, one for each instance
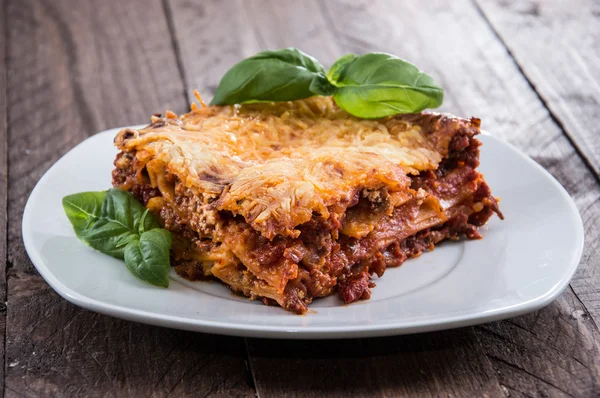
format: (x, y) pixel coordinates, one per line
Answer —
(310, 332)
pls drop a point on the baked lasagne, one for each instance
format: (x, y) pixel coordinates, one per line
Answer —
(291, 201)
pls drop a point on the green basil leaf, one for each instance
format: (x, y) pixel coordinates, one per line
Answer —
(117, 225)
(148, 222)
(83, 210)
(148, 257)
(377, 85)
(109, 237)
(338, 67)
(108, 221)
(321, 86)
(122, 208)
(86, 211)
(281, 75)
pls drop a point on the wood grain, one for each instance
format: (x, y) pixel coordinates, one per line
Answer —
(204, 32)
(75, 69)
(57, 349)
(214, 35)
(557, 45)
(3, 186)
(72, 74)
(456, 45)
(555, 350)
(443, 364)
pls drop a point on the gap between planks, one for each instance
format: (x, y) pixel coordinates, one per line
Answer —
(186, 89)
(175, 46)
(127, 70)
(553, 117)
(3, 186)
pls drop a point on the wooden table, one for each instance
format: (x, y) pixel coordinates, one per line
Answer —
(69, 69)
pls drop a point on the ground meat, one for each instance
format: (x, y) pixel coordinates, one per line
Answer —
(171, 220)
(463, 151)
(123, 169)
(355, 287)
(294, 299)
(190, 269)
(392, 256)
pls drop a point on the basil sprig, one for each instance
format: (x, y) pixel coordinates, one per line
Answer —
(378, 85)
(369, 86)
(115, 223)
(283, 75)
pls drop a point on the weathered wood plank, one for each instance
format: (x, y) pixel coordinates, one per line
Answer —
(559, 351)
(84, 69)
(214, 35)
(3, 186)
(76, 68)
(440, 364)
(553, 352)
(57, 349)
(557, 45)
(211, 36)
(456, 45)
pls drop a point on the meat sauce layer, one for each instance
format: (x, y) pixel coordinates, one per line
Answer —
(323, 260)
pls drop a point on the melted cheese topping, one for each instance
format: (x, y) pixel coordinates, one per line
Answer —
(277, 164)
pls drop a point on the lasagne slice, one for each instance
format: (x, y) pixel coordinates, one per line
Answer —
(291, 201)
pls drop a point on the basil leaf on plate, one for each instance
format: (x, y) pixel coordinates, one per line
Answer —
(122, 208)
(148, 257)
(83, 210)
(109, 237)
(108, 221)
(117, 225)
(376, 85)
(281, 75)
(147, 222)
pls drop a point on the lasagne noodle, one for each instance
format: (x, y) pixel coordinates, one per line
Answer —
(291, 201)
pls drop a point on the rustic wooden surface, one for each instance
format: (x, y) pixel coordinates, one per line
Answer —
(3, 185)
(73, 71)
(71, 68)
(557, 46)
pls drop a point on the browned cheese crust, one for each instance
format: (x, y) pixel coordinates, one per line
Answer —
(291, 201)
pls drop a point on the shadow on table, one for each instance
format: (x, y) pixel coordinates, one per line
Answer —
(411, 364)
(54, 344)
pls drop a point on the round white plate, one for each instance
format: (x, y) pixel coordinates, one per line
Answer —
(522, 264)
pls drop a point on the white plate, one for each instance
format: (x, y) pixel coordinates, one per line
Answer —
(522, 264)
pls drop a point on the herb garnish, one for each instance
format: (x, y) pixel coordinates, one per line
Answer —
(115, 223)
(368, 86)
